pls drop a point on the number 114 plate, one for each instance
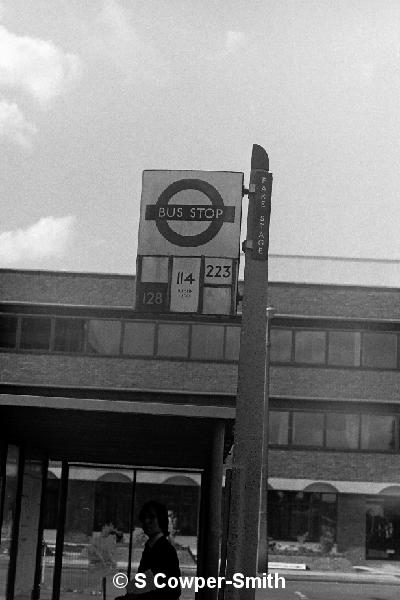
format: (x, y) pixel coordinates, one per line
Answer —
(185, 284)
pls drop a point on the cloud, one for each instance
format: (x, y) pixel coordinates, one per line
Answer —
(13, 125)
(49, 237)
(35, 66)
(234, 40)
(113, 39)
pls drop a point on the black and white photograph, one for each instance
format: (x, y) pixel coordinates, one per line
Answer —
(199, 299)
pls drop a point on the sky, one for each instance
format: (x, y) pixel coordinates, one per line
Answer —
(93, 93)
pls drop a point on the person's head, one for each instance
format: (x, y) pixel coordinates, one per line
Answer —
(107, 528)
(154, 518)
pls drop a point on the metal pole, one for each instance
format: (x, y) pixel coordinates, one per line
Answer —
(62, 513)
(214, 506)
(131, 524)
(262, 561)
(251, 397)
(12, 568)
(40, 546)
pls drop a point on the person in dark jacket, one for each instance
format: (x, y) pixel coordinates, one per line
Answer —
(159, 556)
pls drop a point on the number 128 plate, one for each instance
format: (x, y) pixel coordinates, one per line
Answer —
(152, 297)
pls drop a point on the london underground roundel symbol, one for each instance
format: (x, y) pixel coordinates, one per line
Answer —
(190, 240)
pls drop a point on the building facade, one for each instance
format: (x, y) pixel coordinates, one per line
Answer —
(99, 402)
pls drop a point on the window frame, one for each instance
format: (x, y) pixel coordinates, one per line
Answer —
(285, 323)
(324, 447)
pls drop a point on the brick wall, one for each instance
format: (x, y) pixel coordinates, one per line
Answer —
(119, 290)
(335, 301)
(335, 383)
(339, 466)
(77, 371)
(67, 288)
(52, 369)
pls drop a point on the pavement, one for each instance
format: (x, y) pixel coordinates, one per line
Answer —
(387, 574)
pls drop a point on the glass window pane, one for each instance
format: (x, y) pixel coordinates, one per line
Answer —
(281, 345)
(378, 432)
(303, 515)
(35, 333)
(104, 336)
(178, 491)
(207, 342)
(310, 346)
(278, 427)
(96, 529)
(139, 338)
(173, 340)
(69, 335)
(308, 429)
(232, 343)
(379, 350)
(8, 331)
(342, 431)
(344, 348)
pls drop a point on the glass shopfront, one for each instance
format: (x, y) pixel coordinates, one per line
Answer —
(102, 533)
(301, 516)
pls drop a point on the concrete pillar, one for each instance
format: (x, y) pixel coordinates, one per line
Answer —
(28, 529)
(211, 509)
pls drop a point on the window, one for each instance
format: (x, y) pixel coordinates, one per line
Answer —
(8, 331)
(35, 333)
(232, 343)
(139, 338)
(378, 432)
(379, 350)
(278, 428)
(342, 431)
(306, 515)
(310, 346)
(207, 342)
(281, 345)
(344, 348)
(173, 340)
(69, 335)
(308, 429)
(103, 336)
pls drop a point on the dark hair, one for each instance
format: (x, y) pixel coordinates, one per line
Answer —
(161, 513)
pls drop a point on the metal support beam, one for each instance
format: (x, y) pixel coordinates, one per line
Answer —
(211, 511)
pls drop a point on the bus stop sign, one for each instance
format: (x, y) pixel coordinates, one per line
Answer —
(195, 213)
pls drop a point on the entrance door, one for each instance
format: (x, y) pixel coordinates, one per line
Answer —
(383, 528)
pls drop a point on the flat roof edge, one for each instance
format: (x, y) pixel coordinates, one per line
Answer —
(120, 406)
